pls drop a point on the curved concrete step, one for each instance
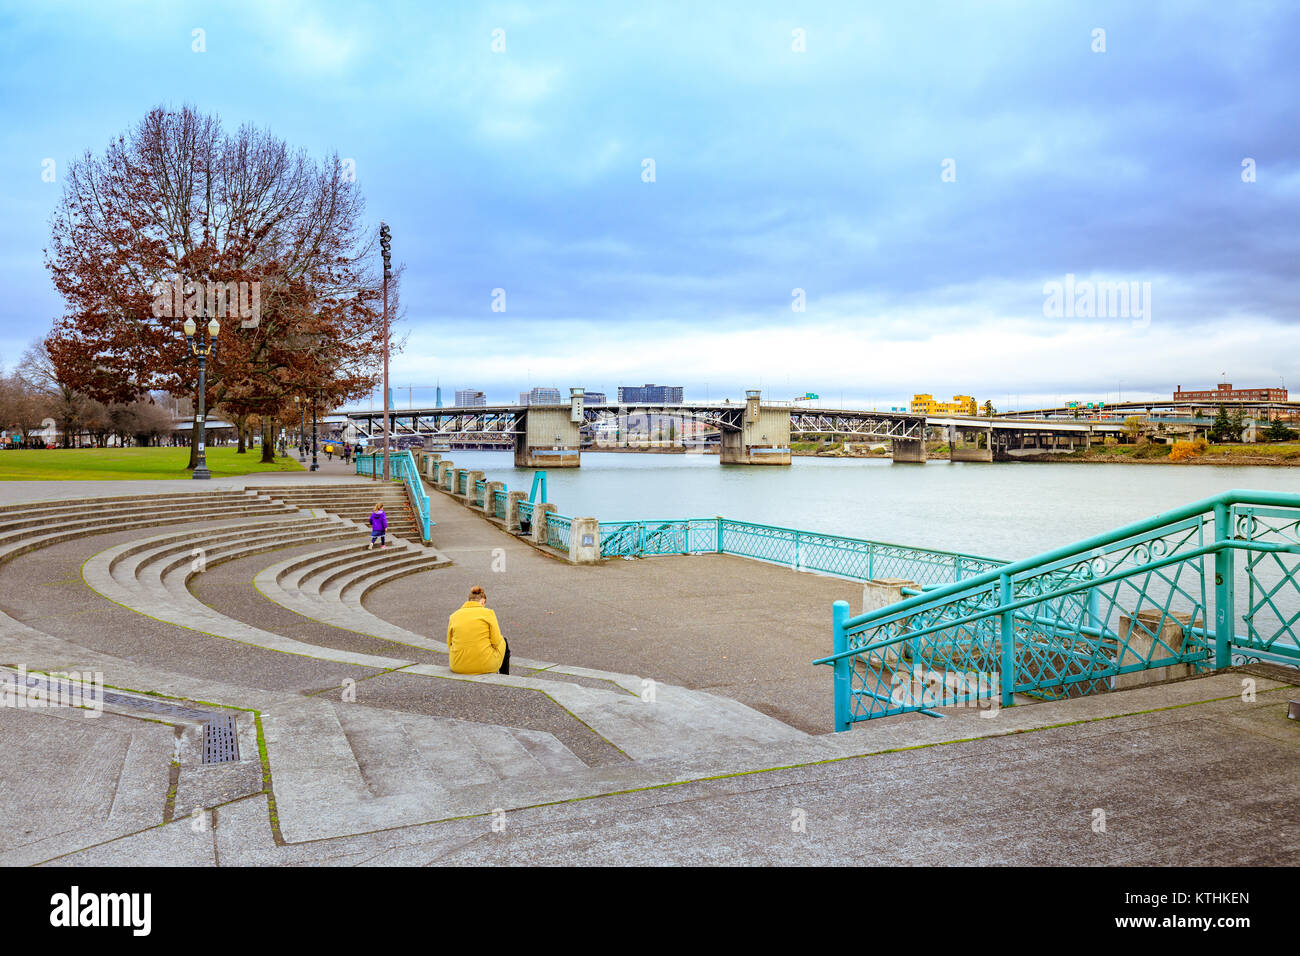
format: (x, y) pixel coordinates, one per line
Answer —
(19, 543)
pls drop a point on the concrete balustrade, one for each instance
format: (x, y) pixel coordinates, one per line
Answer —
(1145, 638)
(512, 509)
(882, 592)
(472, 479)
(584, 541)
(540, 511)
(490, 497)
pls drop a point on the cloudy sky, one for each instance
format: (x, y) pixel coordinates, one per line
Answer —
(857, 202)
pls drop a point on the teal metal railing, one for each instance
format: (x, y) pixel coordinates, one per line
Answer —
(836, 555)
(462, 483)
(559, 529)
(499, 503)
(1072, 620)
(480, 488)
(402, 467)
(525, 510)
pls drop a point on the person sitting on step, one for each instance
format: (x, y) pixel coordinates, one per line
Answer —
(475, 644)
(378, 527)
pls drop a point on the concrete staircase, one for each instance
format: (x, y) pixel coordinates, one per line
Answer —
(353, 501)
(329, 585)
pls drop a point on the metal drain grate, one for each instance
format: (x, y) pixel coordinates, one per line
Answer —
(220, 740)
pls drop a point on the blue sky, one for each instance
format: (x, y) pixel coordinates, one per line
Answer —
(776, 169)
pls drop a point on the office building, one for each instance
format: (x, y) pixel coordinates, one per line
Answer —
(470, 397)
(540, 396)
(650, 395)
(1226, 393)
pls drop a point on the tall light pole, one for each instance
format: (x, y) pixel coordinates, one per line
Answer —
(315, 465)
(302, 429)
(385, 241)
(202, 348)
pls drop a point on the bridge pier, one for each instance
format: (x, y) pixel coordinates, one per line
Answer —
(959, 451)
(763, 438)
(551, 435)
(906, 450)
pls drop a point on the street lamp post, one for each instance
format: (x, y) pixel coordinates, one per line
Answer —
(385, 241)
(302, 429)
(315, 465)
(202, 348)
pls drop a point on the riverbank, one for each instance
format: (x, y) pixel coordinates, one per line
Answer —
(1281, 454)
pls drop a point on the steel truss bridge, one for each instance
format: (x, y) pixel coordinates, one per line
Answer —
(500, 423)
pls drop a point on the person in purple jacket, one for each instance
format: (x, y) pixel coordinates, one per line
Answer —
(378, 525)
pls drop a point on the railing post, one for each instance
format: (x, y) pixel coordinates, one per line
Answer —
(1225, 612)
(1008, 676)
(871, 561)
(843, 667)
(796, 551)
(718, 532)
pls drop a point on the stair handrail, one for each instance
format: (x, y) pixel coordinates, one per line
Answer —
(1217, 505)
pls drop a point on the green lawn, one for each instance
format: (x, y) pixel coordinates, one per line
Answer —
(104, 464)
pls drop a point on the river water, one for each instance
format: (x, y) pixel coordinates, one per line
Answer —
(1002, 510)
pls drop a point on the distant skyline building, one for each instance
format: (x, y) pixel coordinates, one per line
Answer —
(540, 396)
(1226, 393)
(650, 394)
(593, 398)
(924, 404)
(470, 397)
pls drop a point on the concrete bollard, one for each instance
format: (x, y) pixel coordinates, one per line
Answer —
(1139, 644)
(882, 592)
(540, 511)
(490, 497)
(512, 509)
(472, 479)
(584, 543)
(446, 471)
(456, 481)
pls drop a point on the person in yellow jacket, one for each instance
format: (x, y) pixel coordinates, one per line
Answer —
(474, 639)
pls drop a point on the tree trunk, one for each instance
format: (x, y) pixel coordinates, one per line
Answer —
(268, 443)
(196, 436)
(239, 430)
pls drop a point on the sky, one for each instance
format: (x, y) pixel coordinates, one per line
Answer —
(863, 201)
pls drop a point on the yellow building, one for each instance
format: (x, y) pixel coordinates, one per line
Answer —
(924, 404)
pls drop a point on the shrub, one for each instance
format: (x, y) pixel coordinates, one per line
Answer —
(1183, 450)
(1200, 445)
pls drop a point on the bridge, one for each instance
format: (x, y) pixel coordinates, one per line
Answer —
(754, 432)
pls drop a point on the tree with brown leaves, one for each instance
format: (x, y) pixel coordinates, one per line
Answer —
(179, 219)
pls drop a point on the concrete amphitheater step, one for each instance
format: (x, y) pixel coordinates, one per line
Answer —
(336, 766)
(295, 585)
(678, 720)
(120, 574)
(56, 531)
(150, 575)
(354, 502)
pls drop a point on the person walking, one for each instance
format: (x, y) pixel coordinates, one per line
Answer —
(475, 644)
(347, 453)
(378, 527)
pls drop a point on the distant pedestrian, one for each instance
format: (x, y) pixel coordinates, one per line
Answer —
(378, 527)
(475, 644)
(347, 453)
(329, 452)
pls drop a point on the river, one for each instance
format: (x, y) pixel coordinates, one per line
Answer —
(1001, 510)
